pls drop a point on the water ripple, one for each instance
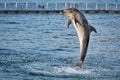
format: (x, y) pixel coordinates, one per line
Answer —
(8, 22)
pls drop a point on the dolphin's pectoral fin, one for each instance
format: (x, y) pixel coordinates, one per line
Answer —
(69, 22)
(93, 29)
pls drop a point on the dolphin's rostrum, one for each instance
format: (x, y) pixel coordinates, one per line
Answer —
(83, 29)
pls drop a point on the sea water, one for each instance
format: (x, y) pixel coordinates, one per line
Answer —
(40, 47)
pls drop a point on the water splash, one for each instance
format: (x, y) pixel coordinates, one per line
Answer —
(56, 71)
(71, 70)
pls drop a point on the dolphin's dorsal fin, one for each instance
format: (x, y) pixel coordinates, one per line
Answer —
(93, 29)
(69, 22)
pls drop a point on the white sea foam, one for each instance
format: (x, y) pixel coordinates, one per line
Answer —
(72, 70)
(60, 71)
(57, 71)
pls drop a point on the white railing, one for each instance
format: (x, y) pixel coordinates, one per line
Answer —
(58, 6)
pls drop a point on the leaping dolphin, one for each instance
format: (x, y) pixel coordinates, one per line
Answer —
(83, 29)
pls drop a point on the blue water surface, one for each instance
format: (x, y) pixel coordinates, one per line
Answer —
(40, 47)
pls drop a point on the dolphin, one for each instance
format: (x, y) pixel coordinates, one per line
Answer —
(83, 29)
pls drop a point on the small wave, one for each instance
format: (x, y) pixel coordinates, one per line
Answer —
(13, 23)
(58, 49)
(4, 49)
(8, 22)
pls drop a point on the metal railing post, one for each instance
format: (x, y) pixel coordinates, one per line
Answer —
(36, 5)
(116, 6)
(56, 6)
(65, 5)
(5, 5)
(70, 5)
(86, 6)
(96, 6)
(16, 5)
(26, 5)
(46, 5)
(106, 8)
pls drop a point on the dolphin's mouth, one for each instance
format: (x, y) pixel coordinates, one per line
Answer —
(63, 12)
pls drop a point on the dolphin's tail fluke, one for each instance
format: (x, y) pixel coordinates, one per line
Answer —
(93, 29)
